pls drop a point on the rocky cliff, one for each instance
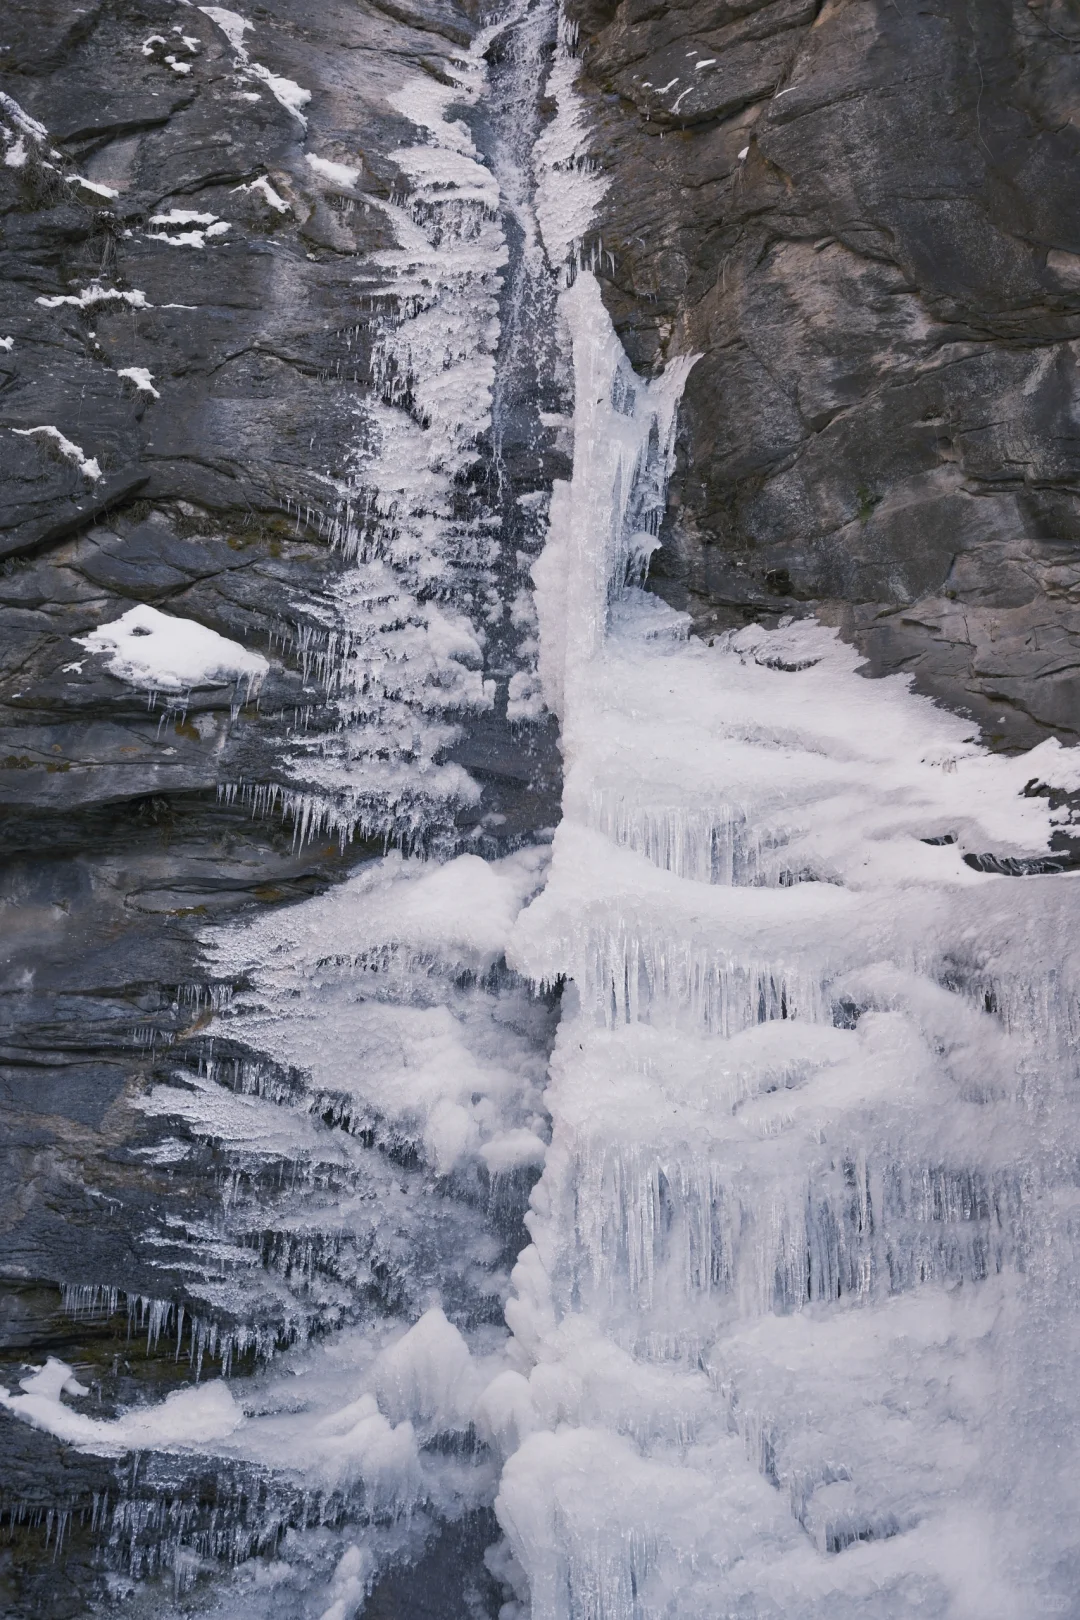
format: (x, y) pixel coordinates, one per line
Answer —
(191, 204)
(863, 215)
(859, 213)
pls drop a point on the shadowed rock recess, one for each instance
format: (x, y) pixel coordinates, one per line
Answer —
(864, 215)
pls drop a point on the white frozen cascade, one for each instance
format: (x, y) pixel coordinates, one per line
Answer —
(795, 1337)
(401, 641)
(795, 1328)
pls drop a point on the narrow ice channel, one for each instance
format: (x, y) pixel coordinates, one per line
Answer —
(793, 1334)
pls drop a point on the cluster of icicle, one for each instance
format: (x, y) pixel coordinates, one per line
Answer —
(404, 627)
(374, 1100)
(376, 1135)
(794, 1333)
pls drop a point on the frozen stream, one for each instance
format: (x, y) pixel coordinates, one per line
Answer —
(796, 1331)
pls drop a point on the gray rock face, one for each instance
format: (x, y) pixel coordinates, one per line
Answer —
(863, 215)
(187, 305)
(860, 213)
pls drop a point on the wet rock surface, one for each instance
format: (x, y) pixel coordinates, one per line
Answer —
(187, 303)
(862, 216)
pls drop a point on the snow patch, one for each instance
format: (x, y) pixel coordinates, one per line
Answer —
(107, 192)
(169, 654)
(142, 379)
(22, 119)
(205, 227)
(232, 25)
(87, 465)
(267, 193)
(96, 294)
(339, 174)
(291, 95)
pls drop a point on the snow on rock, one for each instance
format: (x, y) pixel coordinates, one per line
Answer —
(287, 92)
(20, 129)
(96, 294)
(203, 227)
(189, 1418)
(339, 174)
(107, 192)
(290, 95)
(21, 118)
(87, 465)
(182, 216)
(232, 25)
(142, 379)
(169, 654)
(267, 193)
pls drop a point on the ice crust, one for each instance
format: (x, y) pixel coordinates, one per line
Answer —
(404, 629)
(795, 1333)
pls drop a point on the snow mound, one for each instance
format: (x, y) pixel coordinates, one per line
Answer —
(168, 654)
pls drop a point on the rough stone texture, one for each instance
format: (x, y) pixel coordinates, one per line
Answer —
(865, 215)
(212, 504)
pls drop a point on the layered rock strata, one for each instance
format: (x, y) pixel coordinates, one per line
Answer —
(197, 208)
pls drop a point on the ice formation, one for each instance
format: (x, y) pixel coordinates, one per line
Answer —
(808, 1213)
(403, 635)
(793, 1335)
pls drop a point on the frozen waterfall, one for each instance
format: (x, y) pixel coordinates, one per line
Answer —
(793, 1330)
(793, 1333)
